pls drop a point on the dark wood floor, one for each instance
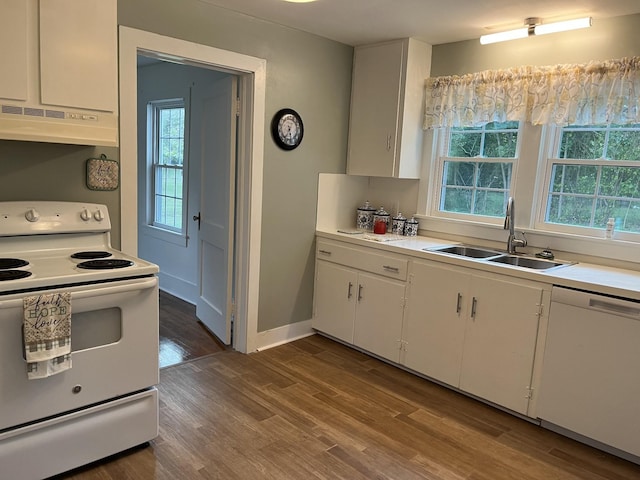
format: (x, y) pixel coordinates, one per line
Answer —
(315, 409)
(182, 336)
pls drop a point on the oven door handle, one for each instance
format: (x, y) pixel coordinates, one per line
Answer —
(131, 286)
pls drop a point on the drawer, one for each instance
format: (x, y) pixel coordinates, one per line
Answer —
(367, 259)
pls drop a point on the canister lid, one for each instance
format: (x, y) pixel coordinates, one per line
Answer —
(367, 207)
(399, 217)
(381, 211)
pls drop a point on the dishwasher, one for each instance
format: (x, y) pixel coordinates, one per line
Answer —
(591, 370)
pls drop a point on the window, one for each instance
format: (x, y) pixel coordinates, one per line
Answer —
(167, 162)
(476, 173)
(594, 175)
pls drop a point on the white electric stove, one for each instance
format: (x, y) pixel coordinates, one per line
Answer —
(107, 401)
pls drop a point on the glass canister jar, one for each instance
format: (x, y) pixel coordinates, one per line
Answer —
(411, 227)
(364, 217)
(397, 225)
(381, 221)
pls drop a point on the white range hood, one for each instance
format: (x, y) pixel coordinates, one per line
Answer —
(60, 77)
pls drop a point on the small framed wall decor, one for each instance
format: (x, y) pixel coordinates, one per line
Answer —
(103, 173)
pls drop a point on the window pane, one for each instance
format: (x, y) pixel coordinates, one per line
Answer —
(626, 214)
(494, 140)
(578, 179)
(494, 175)
(459, 173)
(583, 144)
(457, 200)
(490, 203)
(620, 182)
(624, 145)
(465, 144)
(168, 196)
(570, 210)
(501, 145)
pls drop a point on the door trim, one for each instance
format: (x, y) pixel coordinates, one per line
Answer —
(252, 78)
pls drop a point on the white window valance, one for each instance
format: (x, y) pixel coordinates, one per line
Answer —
(589, 94)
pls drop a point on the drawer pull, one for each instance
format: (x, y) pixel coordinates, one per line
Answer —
(324, 252)
(391, 269)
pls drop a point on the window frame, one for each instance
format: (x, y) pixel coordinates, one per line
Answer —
(442, 141)
(549, 158)
(170, 233)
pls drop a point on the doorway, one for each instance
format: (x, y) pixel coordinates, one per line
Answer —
(186, 183)
(251, 76)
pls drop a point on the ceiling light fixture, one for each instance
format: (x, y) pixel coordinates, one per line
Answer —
(534, 26)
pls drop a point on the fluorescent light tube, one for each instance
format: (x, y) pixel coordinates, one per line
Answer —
(504, 36)
(562, 26)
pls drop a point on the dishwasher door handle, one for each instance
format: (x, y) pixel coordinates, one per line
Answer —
(615, 308)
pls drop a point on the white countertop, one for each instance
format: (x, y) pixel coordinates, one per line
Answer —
(596, 278)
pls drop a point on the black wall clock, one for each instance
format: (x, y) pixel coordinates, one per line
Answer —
(287, 129)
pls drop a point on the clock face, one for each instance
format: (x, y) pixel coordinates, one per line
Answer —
(287, 129)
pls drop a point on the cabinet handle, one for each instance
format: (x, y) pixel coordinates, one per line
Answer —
(388, 143)
(474, 302)
(325, 252)
(459, 303)
(391, 269)
(359, 292)
(349, 295)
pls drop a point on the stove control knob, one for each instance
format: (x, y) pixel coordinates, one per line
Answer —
(85, 215)
(32, 215)
(98, 215)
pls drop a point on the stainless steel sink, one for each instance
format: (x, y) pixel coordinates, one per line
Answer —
(528, 262)
(466, 251)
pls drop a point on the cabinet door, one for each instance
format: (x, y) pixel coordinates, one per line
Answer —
(375, 103)
(500, 341)
(378, 321)
(14, 50)
(335, 300)
(435, 321)
(78, 53)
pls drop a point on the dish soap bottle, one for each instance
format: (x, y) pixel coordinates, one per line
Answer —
(611, 225)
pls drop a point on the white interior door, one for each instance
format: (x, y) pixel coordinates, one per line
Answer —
(218, 153)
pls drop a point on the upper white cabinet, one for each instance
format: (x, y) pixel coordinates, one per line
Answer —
(387, 97)
(60, 76)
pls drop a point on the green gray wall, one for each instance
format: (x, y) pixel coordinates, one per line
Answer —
(305, 72)
(607, 39)
(49, 171)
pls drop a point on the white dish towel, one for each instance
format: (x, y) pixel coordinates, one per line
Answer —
(47, 334)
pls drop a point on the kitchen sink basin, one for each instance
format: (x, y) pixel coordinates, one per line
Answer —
(466, 251)
(527, 262)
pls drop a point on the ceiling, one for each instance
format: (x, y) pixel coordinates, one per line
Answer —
(359, 22)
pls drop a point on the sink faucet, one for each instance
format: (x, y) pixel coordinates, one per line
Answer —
(509, 224)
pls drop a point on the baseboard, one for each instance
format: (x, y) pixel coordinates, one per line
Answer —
(285, 334)
(178, 287)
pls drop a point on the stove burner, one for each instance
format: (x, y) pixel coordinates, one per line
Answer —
(7, 263)
(105, 264)
(13, 274)
(90, 254)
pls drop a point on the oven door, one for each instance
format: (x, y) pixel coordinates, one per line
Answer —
(114, 340)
